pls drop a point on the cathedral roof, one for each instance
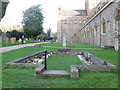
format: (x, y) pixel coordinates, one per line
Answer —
(74, 12)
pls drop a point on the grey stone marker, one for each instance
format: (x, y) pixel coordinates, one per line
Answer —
(74, 72)
(64, 39)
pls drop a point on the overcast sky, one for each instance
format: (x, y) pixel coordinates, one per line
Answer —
(15, 7)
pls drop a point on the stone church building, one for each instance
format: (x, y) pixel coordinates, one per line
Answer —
(97, 26)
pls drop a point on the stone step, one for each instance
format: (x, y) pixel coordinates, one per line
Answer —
(58, 73)
(39, 70)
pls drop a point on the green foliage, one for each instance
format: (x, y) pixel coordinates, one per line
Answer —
(49, 32)
(15, 34)
(32, 21)
(76, 45)
(16, 43)
(1, 32)
(8, 34)
(55, 36)
(4, 6)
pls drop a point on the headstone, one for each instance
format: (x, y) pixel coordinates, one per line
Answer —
(30, 39)
(12, 40)
(26, 39)
(20, 40)
(116, 44)
(39, 40)
(64, 39)
(6, 39)
(74, 72)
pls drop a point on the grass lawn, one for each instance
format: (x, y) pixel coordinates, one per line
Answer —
(16, 43)
(69, 45)
(54, 44)
(19, 77)
(62, 62)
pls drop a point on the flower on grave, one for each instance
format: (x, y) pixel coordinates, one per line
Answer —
(85, 59)
(27, 63)
(51, 53)
(67, 53)
(35, 56)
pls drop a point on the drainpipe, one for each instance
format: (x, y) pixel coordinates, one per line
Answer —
(89, 34)
(100, 30)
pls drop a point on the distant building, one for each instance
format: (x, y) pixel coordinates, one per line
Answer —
(72, 21)
(100, 24)
(102, 28)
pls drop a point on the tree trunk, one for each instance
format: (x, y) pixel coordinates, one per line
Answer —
(32, 38)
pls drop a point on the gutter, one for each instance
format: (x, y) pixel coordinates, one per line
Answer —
(111, 1)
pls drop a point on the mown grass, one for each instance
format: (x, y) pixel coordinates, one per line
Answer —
(16, 43)
(54, 44)
(69, 45)
(62, 62)
(19, 77)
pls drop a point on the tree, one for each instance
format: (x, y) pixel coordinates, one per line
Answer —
(49, 32)
(1, 32)
(32, 21)
(15, 34)
(54, 35)
(8, 34)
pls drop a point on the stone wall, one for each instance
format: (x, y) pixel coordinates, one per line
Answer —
(96, 60)
(98, 38)
(20, 61)
(95, 68)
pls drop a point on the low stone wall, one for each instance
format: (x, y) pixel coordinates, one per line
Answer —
(74, 72)
(64, 53)
(20, 61)
(21, 65)
(95, 68)
(39, 70)
(96, 60)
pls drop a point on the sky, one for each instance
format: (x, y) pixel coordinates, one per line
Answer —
(15, 8)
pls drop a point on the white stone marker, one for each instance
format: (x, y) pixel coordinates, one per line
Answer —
(64, 39)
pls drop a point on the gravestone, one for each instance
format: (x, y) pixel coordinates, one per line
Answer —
(64, 39)
(26, 39)
(12, 40)
(30, 39)
(20, 40)
(6, 39)
(37, 39)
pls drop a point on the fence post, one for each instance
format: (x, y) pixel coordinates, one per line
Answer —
(45, 60)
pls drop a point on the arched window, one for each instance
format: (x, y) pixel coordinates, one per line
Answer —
(87, 32)
(80, 22)
(75, 35)
(65, 21)
(96, 29)
(103, 26)
(90, 31)
(116, 20)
